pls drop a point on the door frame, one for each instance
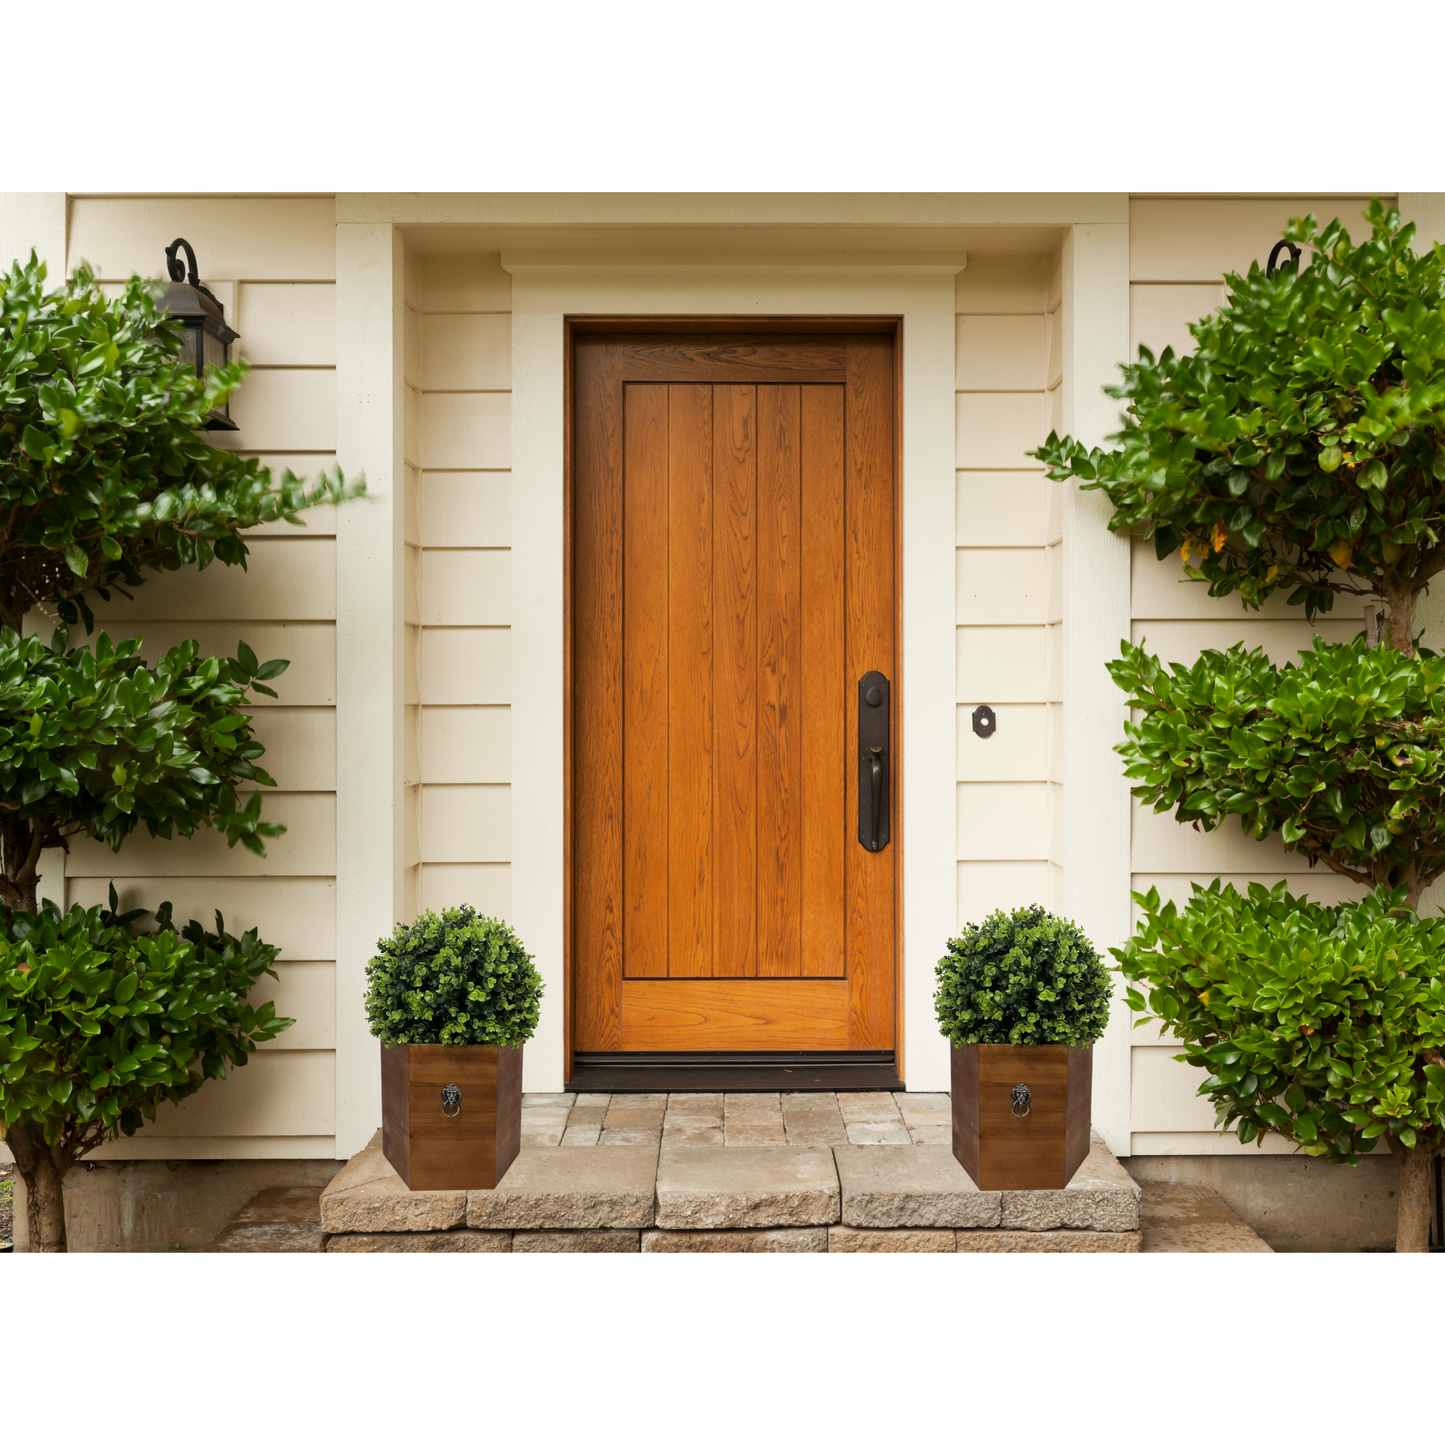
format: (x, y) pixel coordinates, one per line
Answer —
(738, 1073)
(548, 288)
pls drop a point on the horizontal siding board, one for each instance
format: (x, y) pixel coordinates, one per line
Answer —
(466, 509)
(466, 745)
(466, 352)
(1002, 283)
(466, 588)
(1201, 240)
(1161, 845)
(276, 1093)
(300, 745)
(310, 647)
(474, 282)
(262, 1146)
(1162, 1094)
(284, 579)
(486, 886)
(298, 915)
(1002, 664)
(1159, 316)
(465, 430)
(1005, 821)
(1212, 1143)
(996, 430)
(308, 847)
(282, 324)
(1002, 509)
(466, 824)
(1281, 639)
(461, 665)
(1002, 587)
(1000, 353)
(1160, 589)
(283, 239)
(1017, 750)
(287, 410)
(305, 992)
(986, 886)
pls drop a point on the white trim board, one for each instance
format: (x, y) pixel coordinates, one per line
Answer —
(923, 295)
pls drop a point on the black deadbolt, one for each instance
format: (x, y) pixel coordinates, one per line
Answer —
(984, 722)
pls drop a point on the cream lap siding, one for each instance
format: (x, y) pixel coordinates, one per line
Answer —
(272, 263)
(1179, 253)
(1007, 370)
(459, 373)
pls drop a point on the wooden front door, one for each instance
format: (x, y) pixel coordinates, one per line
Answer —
(732, 583)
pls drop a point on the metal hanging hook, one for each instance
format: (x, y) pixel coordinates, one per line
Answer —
(1272, 265)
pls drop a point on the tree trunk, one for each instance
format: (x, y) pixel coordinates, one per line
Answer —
(1412, 1219)
(43, 1169)
(21, 842)
(1401, 607)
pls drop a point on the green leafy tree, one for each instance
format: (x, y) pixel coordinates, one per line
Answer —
(106, 479)
(1325, 1025)
(100, 1025)
(1301, 446)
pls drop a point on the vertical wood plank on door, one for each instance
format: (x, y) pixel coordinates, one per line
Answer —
(646, 660)
(735, 766)
(824, 692)
(779, 683)
(690, 685)
(597, 698)
(870, 880)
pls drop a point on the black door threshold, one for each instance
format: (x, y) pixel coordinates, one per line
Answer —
(733, 1073)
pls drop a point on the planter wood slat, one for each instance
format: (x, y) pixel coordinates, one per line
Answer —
(428, 1149)
(1040, 1151)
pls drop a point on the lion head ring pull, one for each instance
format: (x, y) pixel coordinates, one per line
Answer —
(452, 1101)
(1020, 1098)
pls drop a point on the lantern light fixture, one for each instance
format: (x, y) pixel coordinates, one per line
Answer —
(207, 339)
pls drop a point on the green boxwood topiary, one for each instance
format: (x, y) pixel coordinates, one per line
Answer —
(1024, 977)
(457, 979)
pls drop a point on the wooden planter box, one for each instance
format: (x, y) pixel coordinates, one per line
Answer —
(471, 1149)
(1040, 1150)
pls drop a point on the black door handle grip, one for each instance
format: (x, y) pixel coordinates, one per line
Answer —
(873, 762)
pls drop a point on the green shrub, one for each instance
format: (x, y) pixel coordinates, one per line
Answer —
(1300, 445)
(1024, 977)
(1342, 754)
(99, 1025)
(1324, 1024)
(457, 979)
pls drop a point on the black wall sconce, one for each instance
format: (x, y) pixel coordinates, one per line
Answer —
(208, 339)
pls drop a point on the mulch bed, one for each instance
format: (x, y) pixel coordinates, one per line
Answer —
(7, 1201)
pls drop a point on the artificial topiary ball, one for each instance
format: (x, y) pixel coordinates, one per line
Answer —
(1024, 977)
(457, 979)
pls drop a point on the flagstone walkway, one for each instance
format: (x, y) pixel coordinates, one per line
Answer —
(740, 1120)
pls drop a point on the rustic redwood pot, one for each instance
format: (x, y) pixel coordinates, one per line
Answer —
(451, 1114)
(1021, 1113)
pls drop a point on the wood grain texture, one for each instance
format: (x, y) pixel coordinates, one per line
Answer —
(824, 693)
(645, 687)
(740, 557)
(472, 1150)
(780, 734)
(735, 681)
(1043, 1149)
(735, 1013)
(689, 741)
(597, 696)
(870, 892)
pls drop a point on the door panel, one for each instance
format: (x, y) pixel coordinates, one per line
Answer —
(732, 579)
